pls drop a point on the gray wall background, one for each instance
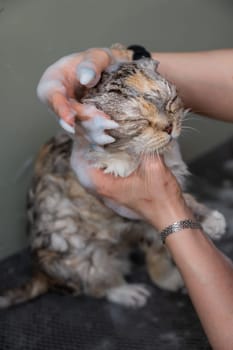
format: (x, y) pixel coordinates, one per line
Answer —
(35, 33)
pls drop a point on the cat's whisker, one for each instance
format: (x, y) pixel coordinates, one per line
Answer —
(189, 117)
(187, 120)
(140, 168)
(154, 156)
(184, 127)
(148, 178)
(185, 132)
(159, 158)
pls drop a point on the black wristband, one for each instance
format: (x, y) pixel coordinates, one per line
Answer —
(139, 52)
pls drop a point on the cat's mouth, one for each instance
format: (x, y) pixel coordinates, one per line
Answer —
(168, 129)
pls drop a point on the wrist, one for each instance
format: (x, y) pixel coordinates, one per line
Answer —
(168, 214)
(178, 226)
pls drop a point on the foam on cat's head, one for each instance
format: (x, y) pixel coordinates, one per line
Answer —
(142, 102)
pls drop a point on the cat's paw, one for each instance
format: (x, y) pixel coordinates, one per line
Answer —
(214, 225)
(120, 165)
(172, 281)
(131, 295)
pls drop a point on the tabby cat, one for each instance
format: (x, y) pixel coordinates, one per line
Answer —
(82, 242)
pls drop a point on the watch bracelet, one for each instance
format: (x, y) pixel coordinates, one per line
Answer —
(178, 226)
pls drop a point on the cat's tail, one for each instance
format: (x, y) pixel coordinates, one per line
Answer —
(37, 285)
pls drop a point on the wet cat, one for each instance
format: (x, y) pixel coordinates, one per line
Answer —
(82, 242)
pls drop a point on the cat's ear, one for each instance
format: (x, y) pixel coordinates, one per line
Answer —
(148, 64)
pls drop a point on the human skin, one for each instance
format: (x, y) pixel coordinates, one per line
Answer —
(204, 80)
(208, 275)
(67, 76)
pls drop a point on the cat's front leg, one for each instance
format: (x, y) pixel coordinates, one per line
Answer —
(162, 271)
(212, 221)
(131, 295)
(160, 266)
(102, 275)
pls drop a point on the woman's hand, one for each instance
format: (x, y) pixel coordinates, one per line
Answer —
(152, 191)
(65, 79)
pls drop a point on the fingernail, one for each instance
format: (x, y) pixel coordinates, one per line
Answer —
(98, 122)
(110, 124)
(66, 126)
(86, 75)
(102, 138)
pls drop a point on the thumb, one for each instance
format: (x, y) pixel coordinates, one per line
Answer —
(94, 63)
(106, 184)
(87, 74)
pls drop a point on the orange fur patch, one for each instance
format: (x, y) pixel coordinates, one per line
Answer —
(141, 83)
(148, 109)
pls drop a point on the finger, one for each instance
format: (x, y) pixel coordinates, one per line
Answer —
(95, 129)
(64, 110)
(67, 127)
(85, 111)
(95, 122)
(87, 74)
(48, 86)
(100, 180)
(94, 62)
(152, 163)
(105, 183)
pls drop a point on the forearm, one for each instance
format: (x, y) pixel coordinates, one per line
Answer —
(207, 273)
(203, 79)
(208, 276)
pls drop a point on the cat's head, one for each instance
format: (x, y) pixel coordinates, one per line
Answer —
(143, 103)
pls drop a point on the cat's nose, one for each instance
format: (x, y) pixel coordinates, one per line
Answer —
(168, 129)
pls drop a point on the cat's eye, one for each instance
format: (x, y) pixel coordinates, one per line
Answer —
(173, 105)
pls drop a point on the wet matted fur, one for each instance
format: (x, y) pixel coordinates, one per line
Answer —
(82, 242)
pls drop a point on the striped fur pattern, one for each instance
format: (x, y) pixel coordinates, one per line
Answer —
(78, 240)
